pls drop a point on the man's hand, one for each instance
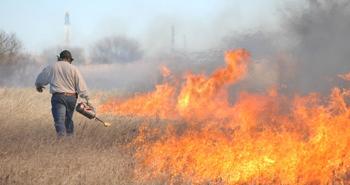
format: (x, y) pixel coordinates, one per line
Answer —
(88, 103)
(40, 89)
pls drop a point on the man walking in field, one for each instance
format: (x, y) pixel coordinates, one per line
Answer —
(66, 83)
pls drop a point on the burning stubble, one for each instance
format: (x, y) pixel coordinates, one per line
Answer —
(264, 138)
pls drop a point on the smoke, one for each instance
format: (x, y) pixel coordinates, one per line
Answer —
(321, 32)
(125, 78)
(302, 49)
(306, 55)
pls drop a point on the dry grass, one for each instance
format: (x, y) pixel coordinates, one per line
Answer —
(30, 153)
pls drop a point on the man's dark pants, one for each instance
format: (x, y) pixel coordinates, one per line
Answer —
(62, 112)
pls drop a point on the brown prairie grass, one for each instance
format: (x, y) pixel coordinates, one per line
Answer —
(30, 153)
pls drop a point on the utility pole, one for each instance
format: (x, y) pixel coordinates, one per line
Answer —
(172, 38)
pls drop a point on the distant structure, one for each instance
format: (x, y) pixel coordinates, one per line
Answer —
(66, 29)
(172, 39)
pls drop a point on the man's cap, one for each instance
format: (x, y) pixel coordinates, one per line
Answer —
(65, 54)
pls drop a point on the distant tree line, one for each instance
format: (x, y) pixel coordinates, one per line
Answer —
(116, 49)
(108, 50)
(14, 63)
(18, 67)
(10, 47)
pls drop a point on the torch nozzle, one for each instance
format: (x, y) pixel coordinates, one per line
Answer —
(106, 124)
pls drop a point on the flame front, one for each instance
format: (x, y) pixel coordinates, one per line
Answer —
(265, 138)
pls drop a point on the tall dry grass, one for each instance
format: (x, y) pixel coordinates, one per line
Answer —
(30, 153)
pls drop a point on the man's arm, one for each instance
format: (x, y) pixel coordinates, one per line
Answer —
(80, 86)
(43, 79)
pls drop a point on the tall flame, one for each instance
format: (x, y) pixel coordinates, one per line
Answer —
(264, 138)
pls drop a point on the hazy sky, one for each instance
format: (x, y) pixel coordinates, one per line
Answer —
(39, 23)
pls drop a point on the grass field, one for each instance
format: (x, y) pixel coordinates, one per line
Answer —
(140, 150)
(30, 153)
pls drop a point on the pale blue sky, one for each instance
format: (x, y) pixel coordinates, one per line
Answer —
(39, 23)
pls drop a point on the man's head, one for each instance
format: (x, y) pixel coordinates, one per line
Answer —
(66, 56)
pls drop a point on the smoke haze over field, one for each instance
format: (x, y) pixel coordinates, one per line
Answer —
(309, 52)
(322, 50)
(295, 46)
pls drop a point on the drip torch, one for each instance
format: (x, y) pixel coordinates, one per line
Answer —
(89, 112)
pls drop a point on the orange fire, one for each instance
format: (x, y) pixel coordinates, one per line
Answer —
(345, 76)
(265, 138)
(165, 71)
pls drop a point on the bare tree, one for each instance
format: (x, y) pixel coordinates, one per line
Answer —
(10, 47)
(116, 50)
(15, 66)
